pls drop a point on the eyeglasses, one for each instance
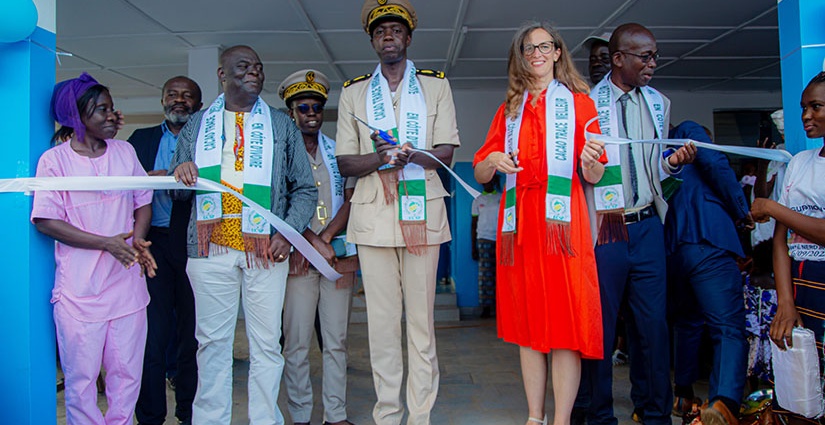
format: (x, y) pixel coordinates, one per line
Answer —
(304, 108)
(645, 57)
(544, 48)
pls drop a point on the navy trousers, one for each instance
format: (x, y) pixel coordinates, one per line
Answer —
(636, 269)
(171, 311)
(706, 288)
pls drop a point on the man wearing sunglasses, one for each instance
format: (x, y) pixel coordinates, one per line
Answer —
(398, 215)
(305, 94)
(630, 252)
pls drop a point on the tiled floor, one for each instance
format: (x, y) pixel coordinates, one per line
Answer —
(480, 380)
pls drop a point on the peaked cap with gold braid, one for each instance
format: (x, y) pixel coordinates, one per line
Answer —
(306, 82)
(375, 11)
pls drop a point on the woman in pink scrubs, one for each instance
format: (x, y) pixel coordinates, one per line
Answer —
(99, 293)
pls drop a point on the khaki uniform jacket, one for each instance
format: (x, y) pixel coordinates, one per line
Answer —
(372, 222)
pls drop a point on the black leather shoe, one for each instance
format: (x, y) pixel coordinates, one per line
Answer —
(578, 416)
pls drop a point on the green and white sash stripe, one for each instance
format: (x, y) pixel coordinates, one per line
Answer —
(560, 116)
(208, 149)
(413, 130)
(257, 174)
(511, 135)
(608, 192)
(258, 152)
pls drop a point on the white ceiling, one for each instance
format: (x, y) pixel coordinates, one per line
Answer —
(133, 46)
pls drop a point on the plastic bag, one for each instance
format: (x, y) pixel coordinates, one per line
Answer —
(796, 371)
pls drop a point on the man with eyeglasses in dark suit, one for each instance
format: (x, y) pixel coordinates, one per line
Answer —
(630, 251)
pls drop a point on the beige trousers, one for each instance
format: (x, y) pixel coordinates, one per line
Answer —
(394, 280)
(303, 295)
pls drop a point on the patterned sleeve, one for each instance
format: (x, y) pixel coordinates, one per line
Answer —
(185, 152)
(301, 190)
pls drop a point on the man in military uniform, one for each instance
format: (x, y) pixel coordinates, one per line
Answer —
(398, 215)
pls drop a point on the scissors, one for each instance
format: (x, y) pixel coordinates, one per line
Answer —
(381, 133)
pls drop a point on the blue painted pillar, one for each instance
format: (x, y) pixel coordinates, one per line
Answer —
(464, 269)
(802, 49)
(27, 359)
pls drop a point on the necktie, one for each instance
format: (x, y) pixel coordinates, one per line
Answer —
(634, 181)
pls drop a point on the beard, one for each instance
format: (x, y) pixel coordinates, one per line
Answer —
(175, 117)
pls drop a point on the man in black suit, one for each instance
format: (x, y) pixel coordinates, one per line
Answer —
(172, 301)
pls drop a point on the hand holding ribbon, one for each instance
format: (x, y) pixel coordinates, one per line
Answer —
(684, 155)
(769, 154)
(29, 184)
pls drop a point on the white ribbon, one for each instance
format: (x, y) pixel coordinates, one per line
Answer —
(31, 184)
(474, 193)
(761, 153)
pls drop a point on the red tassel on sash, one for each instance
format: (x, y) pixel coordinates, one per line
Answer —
(506, 248)
(558, 239)
(298, 264)
(612, 228)
(389, 180)
(204, 229)
(415, 236)
(257, 251)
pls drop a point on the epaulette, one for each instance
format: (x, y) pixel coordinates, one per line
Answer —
(356, 79)
(430, 73)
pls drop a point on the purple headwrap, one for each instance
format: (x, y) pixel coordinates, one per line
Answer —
(64, 102)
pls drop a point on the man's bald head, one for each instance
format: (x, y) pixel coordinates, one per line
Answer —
(623, 35)
(230, 52)
(241, 74)
(633, 55)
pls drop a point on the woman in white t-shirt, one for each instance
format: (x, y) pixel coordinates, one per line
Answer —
(799, 235)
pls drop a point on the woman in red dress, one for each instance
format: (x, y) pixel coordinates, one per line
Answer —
(548, 290)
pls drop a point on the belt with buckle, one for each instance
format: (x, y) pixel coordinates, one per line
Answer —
(640, 215)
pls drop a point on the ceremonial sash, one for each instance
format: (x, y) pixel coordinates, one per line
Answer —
(560, 119)
(298, 264)
(609, 192)
(257, 177)
(336, 186)
(411, 180)
(609, 195)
